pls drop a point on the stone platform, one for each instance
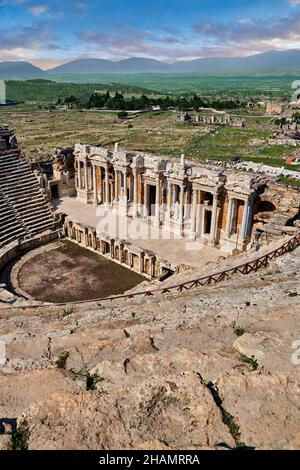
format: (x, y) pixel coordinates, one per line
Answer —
(166, 245)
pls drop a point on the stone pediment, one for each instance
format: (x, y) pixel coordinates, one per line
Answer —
(100, 154)
(138, 162)
(208, 177)
(82, 150)
(240, 183)
(100, 158)
(122, 158)
(150, 174)
(156, 164)
(95, 153)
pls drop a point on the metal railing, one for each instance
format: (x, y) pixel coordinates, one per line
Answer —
(209, 280)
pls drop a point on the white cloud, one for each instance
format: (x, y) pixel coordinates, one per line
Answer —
(38, 10)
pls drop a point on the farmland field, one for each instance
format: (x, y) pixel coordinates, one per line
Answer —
(40, 131)
(50, 91)
(237, 85)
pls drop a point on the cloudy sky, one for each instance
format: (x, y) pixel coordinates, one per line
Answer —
(48, 33)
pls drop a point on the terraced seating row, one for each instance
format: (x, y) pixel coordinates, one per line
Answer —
(10, 228)
(24, 211)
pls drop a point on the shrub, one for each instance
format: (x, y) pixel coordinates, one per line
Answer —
(252, 361)
(92, 380)
(62, 360)
(293, 294)
(68, 311)
(239, 331)
(20, 437)
(122, 115)
(234, 428)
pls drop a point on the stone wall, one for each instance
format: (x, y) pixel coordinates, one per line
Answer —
(15, 249)
(142, 261)
(169, 193)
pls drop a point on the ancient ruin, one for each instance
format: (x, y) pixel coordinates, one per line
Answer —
(186, 213)
(215, 119)
(57, 179)
(25, 212)
(196, 201)
(120, 372)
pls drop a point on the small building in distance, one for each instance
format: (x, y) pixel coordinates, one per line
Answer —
(274, 108)
(292, 160)
(2, 93)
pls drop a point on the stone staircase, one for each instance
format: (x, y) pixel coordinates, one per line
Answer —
(24, 211)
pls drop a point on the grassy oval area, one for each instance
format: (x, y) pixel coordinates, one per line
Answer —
(71, 273)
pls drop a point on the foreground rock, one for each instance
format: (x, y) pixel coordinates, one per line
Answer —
(207, 369)
(176, 412)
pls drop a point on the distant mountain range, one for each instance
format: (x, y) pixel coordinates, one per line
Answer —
(19, 70)
(266, 62)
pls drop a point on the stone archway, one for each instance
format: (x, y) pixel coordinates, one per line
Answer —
(265, 206)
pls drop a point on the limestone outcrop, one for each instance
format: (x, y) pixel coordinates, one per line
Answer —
(211, 368)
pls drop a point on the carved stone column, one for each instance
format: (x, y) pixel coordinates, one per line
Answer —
(212, 236)
(157, 204)
(229, 216)
(116, 186)
(175, 189)
(141, 263)
(145, 199)
(95, 185)
(135, 193)
(85, 176)
(79, 173)
(169, 203)
(106, 186)
(152, 261)
(181, 209)
(246, 221)
(194, 213)
(90, 177)
(125, 191)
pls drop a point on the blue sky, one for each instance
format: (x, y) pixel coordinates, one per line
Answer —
(48, 33)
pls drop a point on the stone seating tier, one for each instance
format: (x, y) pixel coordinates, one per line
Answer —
(24, 211)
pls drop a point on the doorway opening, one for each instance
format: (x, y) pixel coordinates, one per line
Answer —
(207, 222)
(54, 191)
(152, 200)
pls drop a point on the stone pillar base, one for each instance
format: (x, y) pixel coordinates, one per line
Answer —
(122, 209)
(178, 229)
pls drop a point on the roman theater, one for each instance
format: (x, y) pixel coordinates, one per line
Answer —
(155, 217)
(146, 303)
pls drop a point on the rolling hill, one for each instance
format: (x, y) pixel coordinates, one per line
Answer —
(11, 70)
(272, 61)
